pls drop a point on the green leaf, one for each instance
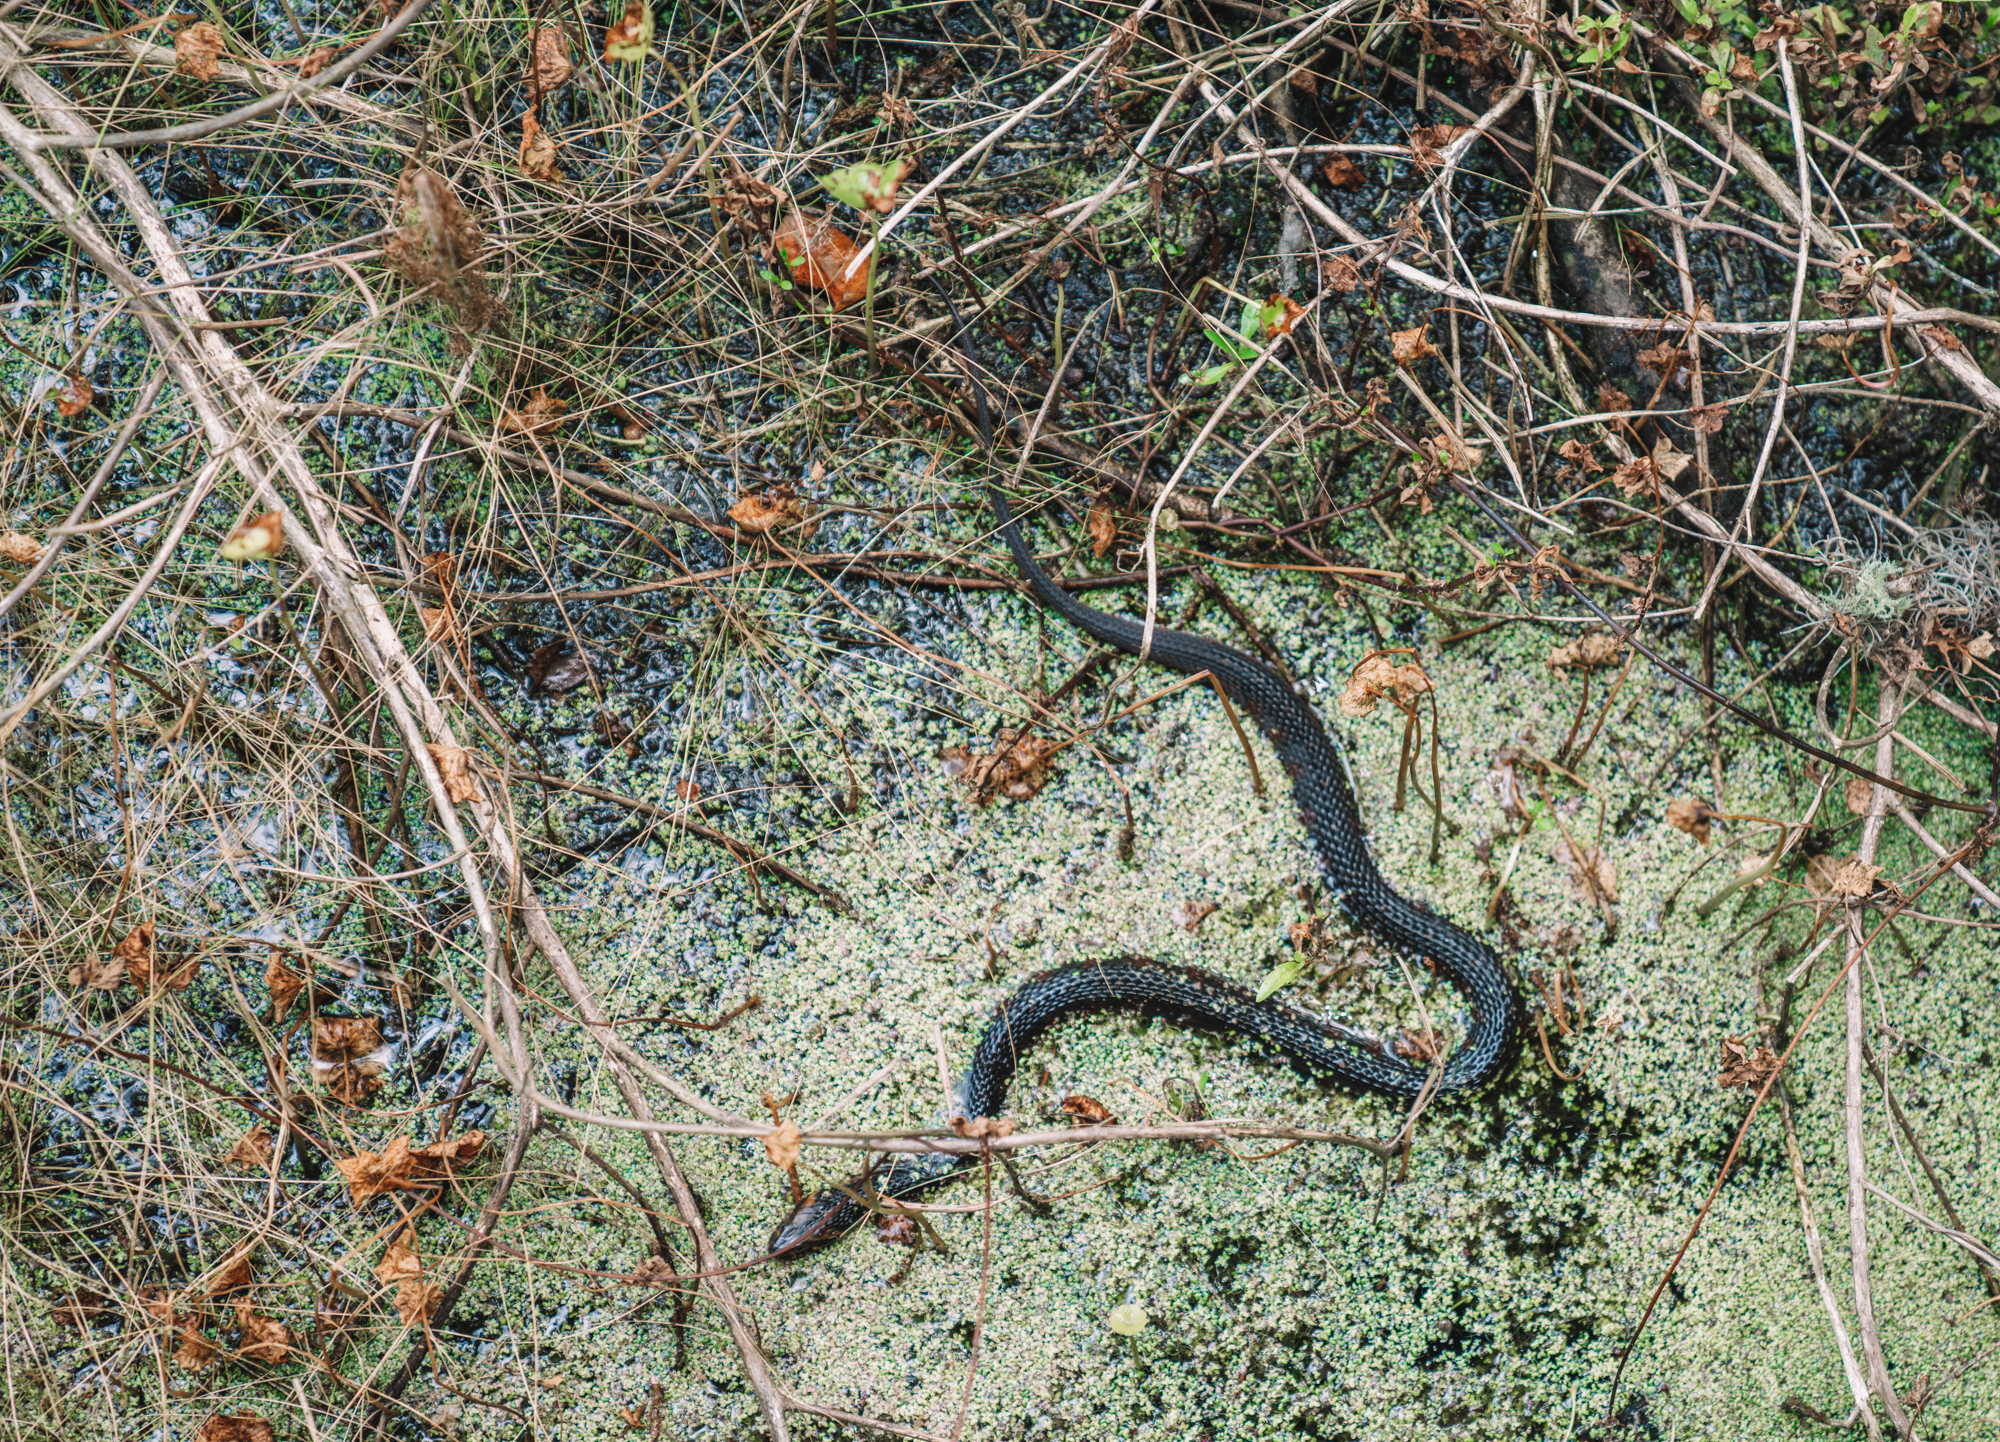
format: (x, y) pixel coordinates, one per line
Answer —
(1212, 376)
(1282, 975)
(1691, 10)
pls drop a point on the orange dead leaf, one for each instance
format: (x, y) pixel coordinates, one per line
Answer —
(454, 767)
(1407, 347)
(1339, 274)
(197, 49)
(368, 1175)
(73, 396)
(768, 510)
(401, 1267)
(252, 1151)
(1592, 652)
(817, 255)
(344, 1038)
(1378, 678)
(1342, 173)
(232, 1273)
(1688, 814)
(284, 984)
(243, 1427)
(538, 415)
(549, 65)
(264, 1339)
(1742, 1067)
(1291, 314)
(21, 550)
(257, 539)
(630, 37)
(687, 790)
(1103, 529)
(1086, 1111)
(312, 64)
(1856, 878)
(538, 150)
(782, 1146)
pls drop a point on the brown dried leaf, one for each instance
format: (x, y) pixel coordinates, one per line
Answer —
(312, 64)
(437, 1161)
(1188, 914)
(549, 65)
(195, 1351)
(284, 984)
(538, 415)
(1102, 527)
(555, 669)
(338, 1039)
(538, 150)
(1636, 477)
(1085, 1111)
(455, 769)
(257, 539)
(1742, 1067)
(441, 626)
(1407, 347)
(654, 1271)
(79, 1309)
(1017, 768)
(1290, 314)
(975, 1128)
(1339, 274)
(99, 973)
(1610, 398)
(817, 254)
(782, 1146)
(1858, 793)
(1427, 143)
(1342, 173)
(244, 1427)
(766, 511)
(142, 965)
(687, 789)
(1691, 815)
(198, 49)
(1856, 878)
(1378, 678)
(401, 1266)
(1581, 456)
(369, 1176)
(1707, 420)
(252, 1151)
(1593, 652)
(72, 396)
(21, 550)
(232, 1273)
(1668, 463)
(630, 37)
(264, 1339)
(1592, 874)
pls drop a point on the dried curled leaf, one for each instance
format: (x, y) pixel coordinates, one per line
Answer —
(538, 150)
(630, 37)
(1742, 1067)
(264, 1339)
(1085, 1111)
(538, 415)
(1188, 914)
(402, 1268)
(1592, 652)
(72, 397)
(767, 511)
(1017, 767)
(257, 539)
(369, 1175)
(238, 1427)
(232, 1273)
(816, 254)
(455, 769)
(198, 51)
(979, 1128)
(1378, 678)
(1593, 874)
(337, 1039)
(1855, 878)
(549, 65)
(1686, 813)
(1407, 347)
(252, 1151)
(21, 550)
(1102, 528)
(782, 1146)
(1342, 173)
(284, 984)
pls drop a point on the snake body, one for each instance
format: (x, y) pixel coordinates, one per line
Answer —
(1326, 806)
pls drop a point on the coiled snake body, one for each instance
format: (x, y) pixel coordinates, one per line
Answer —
(1326, 805)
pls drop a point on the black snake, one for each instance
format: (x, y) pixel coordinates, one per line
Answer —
(1326, 806)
